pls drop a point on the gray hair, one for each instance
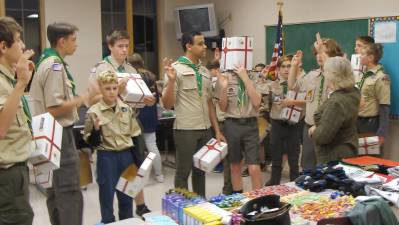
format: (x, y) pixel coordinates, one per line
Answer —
(338, 72)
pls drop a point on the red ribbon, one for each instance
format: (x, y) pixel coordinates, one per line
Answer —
(209, 148)
(367, 145)
(292, 108)
(44, 182)
(52, 144)
(245, 50)
(142, 96)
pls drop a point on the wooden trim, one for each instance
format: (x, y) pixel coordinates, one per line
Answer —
(42, 21)
(2, 8)
(159, 11)
(129, 23)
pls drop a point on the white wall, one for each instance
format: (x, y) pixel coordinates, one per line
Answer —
(86, 15)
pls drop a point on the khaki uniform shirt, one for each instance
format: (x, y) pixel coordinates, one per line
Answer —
(221, 116)
(277, 95)
(375, 91)
(16, 145)
(113, 66)
(191, 109)
(233, 109)
(311, 84)
(117, 127)
(51, 87)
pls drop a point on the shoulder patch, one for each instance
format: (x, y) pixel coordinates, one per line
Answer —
(56, 67)
(385, 78)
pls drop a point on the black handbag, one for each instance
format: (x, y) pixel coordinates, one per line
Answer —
(266, 210)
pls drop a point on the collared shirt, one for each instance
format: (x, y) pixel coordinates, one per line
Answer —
(234, 110)
(278, 94)
(51, 87)
(118, 125)
(111, 65)
(191, 109)
(375, 91)
(221, 116)
(311, 83)
(16, 145)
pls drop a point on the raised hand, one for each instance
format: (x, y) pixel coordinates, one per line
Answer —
(24, 67)
(97, 123)
(170, 71)
(318, 45)
(242, 72)
(217, 55)
(297, 58)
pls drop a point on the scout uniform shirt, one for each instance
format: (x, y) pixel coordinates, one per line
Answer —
(221, 116)
(109, 64)
(315, 86)
(279, 89)
(239, 107)
(51, 87)
(191, 108)
(118, 125)
(375, 91)
(16, 145)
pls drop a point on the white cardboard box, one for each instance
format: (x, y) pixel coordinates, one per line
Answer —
(293, 113)
(236, 51)
(47, 135)
(369, 146)
(356, 66)
(136, 90)
(132, 186)
(210, 155)
(43, 175)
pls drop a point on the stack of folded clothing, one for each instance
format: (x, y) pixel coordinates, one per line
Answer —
(328, 176)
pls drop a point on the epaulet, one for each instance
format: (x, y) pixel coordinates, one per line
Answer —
(94, 68)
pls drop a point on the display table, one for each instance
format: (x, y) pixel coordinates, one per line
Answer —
(131, 221)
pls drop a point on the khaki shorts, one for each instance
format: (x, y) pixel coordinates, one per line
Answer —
(243, 140)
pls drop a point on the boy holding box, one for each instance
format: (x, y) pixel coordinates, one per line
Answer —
(239, 98)
(53, 91)
(118, 44)
(110, 127)
(284, 134)
(15, 135)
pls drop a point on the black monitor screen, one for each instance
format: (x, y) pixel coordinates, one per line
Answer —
(194, 20)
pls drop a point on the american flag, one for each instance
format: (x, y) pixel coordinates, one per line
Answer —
(279, 48)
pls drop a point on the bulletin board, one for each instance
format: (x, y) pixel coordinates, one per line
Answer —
(385, 30)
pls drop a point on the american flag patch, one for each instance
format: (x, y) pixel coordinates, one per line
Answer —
(57, 67)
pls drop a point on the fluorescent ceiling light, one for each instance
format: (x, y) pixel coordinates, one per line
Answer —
(33, 16)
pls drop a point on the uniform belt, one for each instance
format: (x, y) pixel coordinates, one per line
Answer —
(367, 118)
(14, 165)
(243, 120)
(284, 122)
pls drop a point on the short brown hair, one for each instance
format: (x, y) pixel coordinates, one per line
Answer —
(8, 28)
(56, 31)
(213, 64)
(283, 59)
(375, 50)
(332, 48)
(136, 60)
(117, 35)
(365, 39)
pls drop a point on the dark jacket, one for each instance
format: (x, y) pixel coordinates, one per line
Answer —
(336, 133)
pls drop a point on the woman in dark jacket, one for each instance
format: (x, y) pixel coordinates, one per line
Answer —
(335, 132)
